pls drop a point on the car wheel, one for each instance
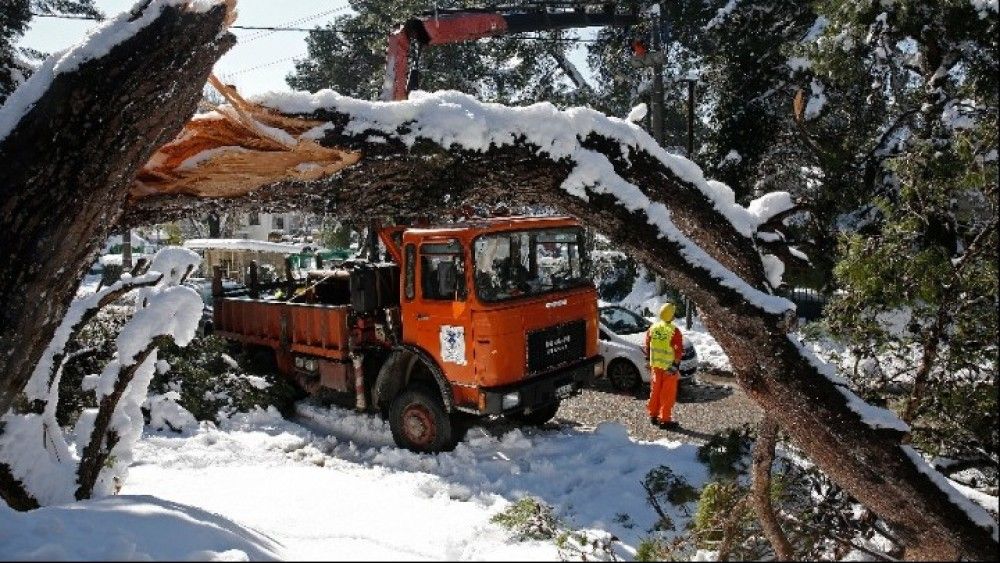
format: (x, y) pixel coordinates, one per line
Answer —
(419, 422)
(537, 417)
(624, 376)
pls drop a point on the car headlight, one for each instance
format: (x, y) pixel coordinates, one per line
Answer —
(510, 400)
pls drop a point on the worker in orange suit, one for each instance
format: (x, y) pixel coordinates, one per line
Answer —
(664, 348)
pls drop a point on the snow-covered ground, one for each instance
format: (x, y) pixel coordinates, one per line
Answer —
(333, 486)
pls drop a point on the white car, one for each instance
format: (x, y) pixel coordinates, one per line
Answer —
(622, 338)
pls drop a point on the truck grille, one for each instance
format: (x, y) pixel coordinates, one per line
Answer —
(556, 345)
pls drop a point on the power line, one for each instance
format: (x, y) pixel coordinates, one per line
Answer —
(332, 30)
(298, 21)
(260, 66)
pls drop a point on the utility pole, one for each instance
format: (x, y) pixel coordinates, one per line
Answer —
(126, 248)
(651, 56)
(690, 117)
(656, 96)
(691, 80)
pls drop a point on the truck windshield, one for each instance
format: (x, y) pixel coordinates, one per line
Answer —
(516, 264)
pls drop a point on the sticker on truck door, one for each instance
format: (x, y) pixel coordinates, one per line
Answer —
(453, 344)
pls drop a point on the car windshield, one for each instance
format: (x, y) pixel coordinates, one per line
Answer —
(516, 264)
(623, 321)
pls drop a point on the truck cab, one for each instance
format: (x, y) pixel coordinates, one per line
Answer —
(485, 317)
(507, 308)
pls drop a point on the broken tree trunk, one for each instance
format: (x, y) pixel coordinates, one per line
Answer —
(67, 164)
(401, 172)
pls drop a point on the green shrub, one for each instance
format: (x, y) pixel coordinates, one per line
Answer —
(726, 454)
(92, 350)
(212, 384)
(529, 519)
(652, 549)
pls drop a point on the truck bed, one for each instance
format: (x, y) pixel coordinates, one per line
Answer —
(317, 330)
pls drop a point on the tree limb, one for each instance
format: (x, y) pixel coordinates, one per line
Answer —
(760, 489)
(68, 162)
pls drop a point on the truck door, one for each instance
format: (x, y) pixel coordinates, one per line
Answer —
(438, 318)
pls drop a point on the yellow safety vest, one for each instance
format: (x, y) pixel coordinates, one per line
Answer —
(661, 353)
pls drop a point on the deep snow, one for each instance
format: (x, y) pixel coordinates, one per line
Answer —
(333, 485)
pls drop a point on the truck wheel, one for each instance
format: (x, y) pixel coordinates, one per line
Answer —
(537, 417)
(419, 423)
(624, 376)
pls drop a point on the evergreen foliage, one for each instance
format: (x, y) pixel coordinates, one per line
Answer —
(352, 60)
(15, 16)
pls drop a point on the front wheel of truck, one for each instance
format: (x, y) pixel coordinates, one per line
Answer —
(419, 422)
(537, 417)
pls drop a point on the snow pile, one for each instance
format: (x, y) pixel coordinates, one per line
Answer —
(721, 14)
(33, 445)
(733, 157)
(98, 43)
(166, 413)
(245, 244)
(817, 100)
(134, 528)
(455, 119)
(985, 6)
(774, 268)
(637, 114)
(356, 494)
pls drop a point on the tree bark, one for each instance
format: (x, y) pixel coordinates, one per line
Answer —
(102, 438)
(393, 179)
(760, 489)
(66, 167)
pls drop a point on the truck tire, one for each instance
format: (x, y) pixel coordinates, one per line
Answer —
(537, 417)
(419, 422)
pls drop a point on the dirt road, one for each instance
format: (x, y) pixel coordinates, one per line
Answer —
(712, 404)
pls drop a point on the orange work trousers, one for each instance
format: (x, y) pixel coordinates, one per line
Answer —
(662, 394)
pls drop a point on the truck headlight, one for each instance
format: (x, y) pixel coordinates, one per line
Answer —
(310, 365)
(511, 400)
(299, 361)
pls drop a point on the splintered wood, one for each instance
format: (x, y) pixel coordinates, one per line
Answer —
(235, 149)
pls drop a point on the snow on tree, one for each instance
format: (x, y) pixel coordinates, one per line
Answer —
(428, 156)
(14, 18)
(36, 456)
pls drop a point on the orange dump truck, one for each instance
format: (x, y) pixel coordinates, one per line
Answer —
(485, 317)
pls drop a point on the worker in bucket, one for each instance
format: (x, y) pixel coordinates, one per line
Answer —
(664, 347)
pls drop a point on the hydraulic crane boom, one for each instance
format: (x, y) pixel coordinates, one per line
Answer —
(468, 25)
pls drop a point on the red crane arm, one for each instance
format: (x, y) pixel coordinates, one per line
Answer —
(468, 26)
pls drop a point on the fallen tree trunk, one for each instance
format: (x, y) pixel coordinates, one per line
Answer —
(655, 207)
(409, 171)
(70, 155)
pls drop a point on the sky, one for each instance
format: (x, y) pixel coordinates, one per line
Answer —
(258, 63)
